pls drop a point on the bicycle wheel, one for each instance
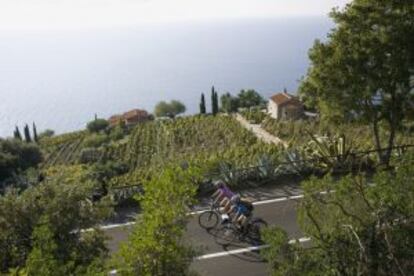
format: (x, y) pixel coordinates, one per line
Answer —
(208, 219)
(225, 235)
(255, 229)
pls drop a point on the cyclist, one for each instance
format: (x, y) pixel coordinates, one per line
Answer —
(222, 195)
(242, 210)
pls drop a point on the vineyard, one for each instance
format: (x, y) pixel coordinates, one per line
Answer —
(63, 149)
(207, 141)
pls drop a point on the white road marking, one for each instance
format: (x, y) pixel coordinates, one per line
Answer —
(232, 252)
(256, 203)
(243, 250)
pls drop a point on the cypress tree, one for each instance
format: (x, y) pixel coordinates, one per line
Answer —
(214, 101)
(35, 138)
(202, 105)
(27, 134)
(17, 134)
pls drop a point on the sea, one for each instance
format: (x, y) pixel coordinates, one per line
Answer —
(61, 79)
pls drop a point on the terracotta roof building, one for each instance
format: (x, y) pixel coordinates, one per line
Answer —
(285, 106)
(131, 117)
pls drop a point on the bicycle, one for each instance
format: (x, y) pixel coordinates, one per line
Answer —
(210, 218)
(230, 232)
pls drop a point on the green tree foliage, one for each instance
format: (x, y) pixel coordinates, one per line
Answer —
(27, 136)
(95, 140)
(214, 101)
(249, 98)
(46, 133)
(117, 133)
(171, 109)
(155, 246)
(16, 156)
(40, 228)
(363, 70)
(229, 104)
(16, 134)
(202, 104)
(97, 125)
(35, 137)
(364, 227)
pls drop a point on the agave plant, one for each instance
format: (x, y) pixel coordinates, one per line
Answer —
(229, 174)
(266, 167)
(330, 152)
(295, 162)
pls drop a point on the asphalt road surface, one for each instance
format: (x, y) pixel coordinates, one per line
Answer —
(235, 259)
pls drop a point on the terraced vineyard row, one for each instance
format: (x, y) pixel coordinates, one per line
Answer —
(63, 149)
(194, 138)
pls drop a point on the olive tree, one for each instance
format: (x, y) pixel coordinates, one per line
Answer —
(363, 70)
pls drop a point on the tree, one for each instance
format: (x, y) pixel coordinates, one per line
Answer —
(360, 229)
(27, 137)
(202, 104)
(46, 133)
(229, 103)
(97, 125)
(214, 101)
(35, 138)
(17, 134)
(49, 218)
(155, 247)
(363, 70)
(171, 109)
(16, 156)
(177, 107)
(250, 98)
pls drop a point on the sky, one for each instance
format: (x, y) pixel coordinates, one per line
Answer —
(84, 14)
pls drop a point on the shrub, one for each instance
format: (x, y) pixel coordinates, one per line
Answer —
(97, 125)
(16, 155)
(46, 133)
(95, 140)
(117, 133)
(156, 247)
(39, 229)
(89, 155)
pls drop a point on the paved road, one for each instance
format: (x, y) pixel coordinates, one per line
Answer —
(280, 212)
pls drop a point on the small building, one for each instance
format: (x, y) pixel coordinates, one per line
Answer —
(135, 116)
(285, 106)
(130, 118)
(114, 120)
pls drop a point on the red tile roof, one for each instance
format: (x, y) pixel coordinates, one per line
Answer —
(135, 113)
(283, 98)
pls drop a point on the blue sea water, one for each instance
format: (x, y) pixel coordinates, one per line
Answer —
(60, 79)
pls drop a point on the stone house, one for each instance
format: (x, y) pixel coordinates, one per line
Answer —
(285, 106)
(130, 118)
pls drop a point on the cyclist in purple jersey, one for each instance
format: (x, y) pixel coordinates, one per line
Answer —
(223, 194)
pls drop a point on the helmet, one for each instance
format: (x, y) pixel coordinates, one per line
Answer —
(218, 184)
(235, 199)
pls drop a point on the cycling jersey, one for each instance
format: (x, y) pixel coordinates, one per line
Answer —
(226, 192)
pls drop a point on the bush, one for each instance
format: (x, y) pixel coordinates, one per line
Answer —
(39, 229)
(254, 115)
(360, 229)
(89, 155)
(95, 140)
(16, 155)
(97, 125)
(46, 133)
(117, 133)
(156, 247)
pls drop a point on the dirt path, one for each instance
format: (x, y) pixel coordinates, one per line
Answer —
(260, 132)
